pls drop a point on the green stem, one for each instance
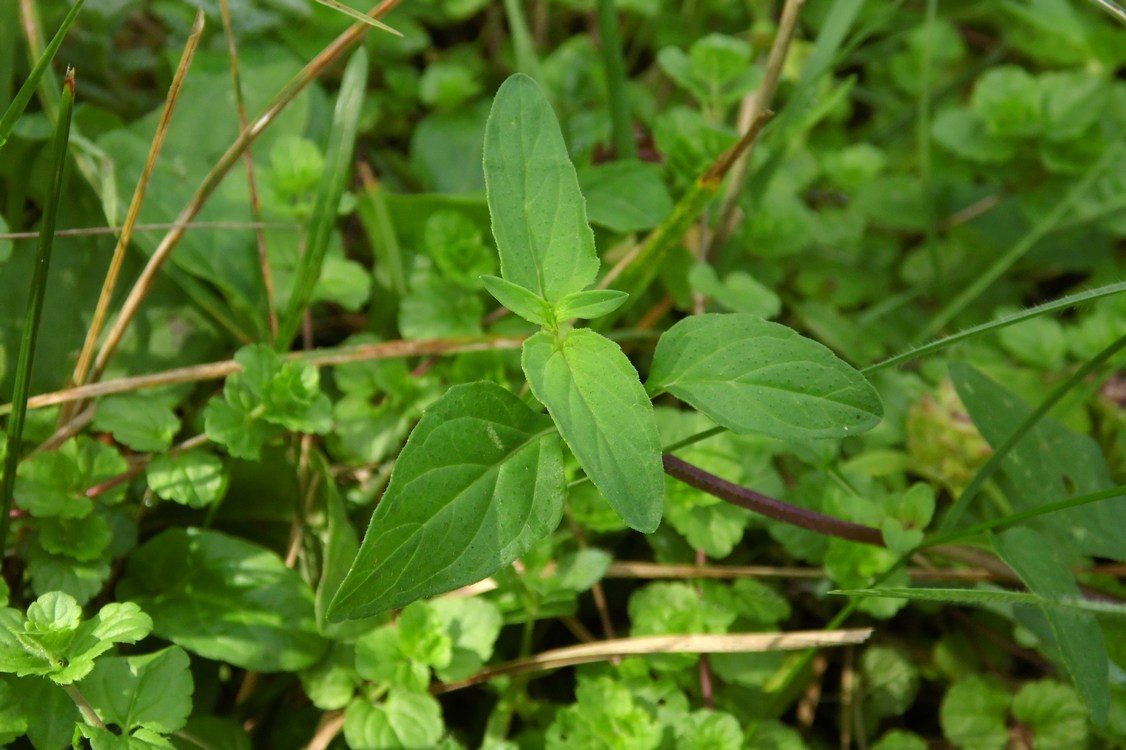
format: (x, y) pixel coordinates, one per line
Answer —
(625, 147)
(84, 706)
(526, 60)
(35, 307)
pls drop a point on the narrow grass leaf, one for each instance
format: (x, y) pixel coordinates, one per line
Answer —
(479, 481)
(35, 306)
(754, 376)
(538, 214)
(23, 96)
(1004, 321)
(597, 401)
(358, 16)
(976, 597)
(1077, 633)
(338, 165)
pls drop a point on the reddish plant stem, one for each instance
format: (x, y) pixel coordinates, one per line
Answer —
(768, 506)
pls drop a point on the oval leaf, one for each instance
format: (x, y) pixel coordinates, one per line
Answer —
(519, 300)
(225, 599)
(753, 376)
(479, 481)
(590, 304)
(538, 213)
(596, 400)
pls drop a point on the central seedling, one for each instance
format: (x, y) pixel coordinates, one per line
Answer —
(481, 478)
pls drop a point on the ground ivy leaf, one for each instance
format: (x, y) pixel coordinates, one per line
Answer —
(1078, 635)
(1056, 714)
(754, 376)
(225, 599)
(141, 422)
(973, 714)
(194, 478)
(479, 481)
(241, 433)
(594, 395)
(538, 214)
(153, 691)
(474, 625)
(404, 720)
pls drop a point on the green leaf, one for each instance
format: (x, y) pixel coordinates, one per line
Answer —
(479, 481)
(738, 291)
(54, 483)
(1056, 714)
(453, 241)
(269, 394)
(1049, 464)
(225, 599)
(153, 691)
(423, 636)
(986, 597)
(141, 422)
(1008, 99)
(1077, 633)
(405, 720)
(13, 719)
(194, 478)
(603, 716)
(528, 305)
(963, 131)
(538, 214)
(625, 195)
(709, 730)
(891, 681)
(380, 659)
(594, 395)
(436, 308)
(593, 303)
(51, 714)
(754, 376)
(973, 714)
(83, 539)
(473, 625)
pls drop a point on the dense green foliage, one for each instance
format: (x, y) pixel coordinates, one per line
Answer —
(710, 412)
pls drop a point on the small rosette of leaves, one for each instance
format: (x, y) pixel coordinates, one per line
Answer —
(270, 396)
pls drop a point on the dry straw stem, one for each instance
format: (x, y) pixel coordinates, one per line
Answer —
(101, 312)
(753, 107)
(728, 643)
(317, 358)
(290, 91)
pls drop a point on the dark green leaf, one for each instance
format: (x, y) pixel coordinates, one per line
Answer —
(152, 691)
(1077, 633)
(194, 478)
(141, 422)
(625, 196)
(479, 481)
(754, 376)
(224, 598)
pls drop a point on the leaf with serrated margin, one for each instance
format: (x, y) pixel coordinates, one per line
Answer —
(538, 214)
(594, 395)
(753, 376)
(479, 481)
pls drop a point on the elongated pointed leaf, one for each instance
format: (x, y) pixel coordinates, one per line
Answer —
(531, 307)
(479, 481)
(538, 213)
(753, 376)
(596, 400)
(1077, 633)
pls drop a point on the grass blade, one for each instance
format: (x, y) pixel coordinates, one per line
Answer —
(358, 16)
(338, 163)
(23, 96)
(35, 305)
(977, 597)
(625, 147)
(1004, 321)
(1046, 226)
